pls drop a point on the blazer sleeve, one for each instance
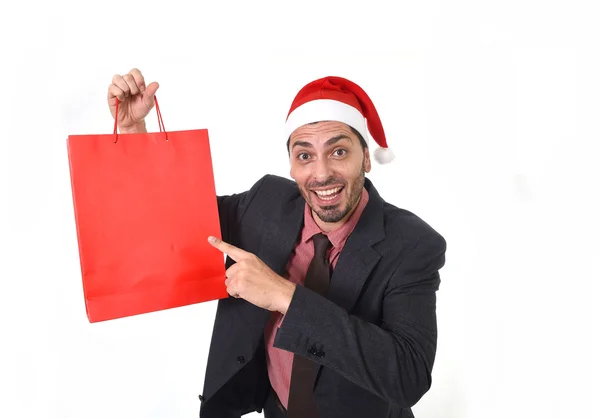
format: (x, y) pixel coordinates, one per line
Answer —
(394, 359)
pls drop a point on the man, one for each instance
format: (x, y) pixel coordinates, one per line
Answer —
(332, 307)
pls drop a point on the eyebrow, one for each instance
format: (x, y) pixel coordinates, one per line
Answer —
(329, 142)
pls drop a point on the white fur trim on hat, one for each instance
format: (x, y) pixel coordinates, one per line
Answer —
(322, 110)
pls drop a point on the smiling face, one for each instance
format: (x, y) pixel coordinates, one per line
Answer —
(329, 164)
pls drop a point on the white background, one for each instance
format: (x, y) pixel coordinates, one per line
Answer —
(491, 107)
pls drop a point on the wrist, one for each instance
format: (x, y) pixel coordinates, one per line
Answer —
(286, 296)
(137, 128)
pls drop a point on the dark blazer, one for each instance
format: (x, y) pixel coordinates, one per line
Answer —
(375, 332)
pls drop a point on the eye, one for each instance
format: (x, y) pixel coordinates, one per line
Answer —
(340, 152)
(303, 156)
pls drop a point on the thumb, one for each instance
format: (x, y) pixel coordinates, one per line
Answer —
(149, 94)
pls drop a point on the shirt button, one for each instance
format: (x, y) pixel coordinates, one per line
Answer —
(241, 360)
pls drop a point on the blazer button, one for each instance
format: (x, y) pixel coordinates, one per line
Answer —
(321, 354)
(312, 350)
(241, 360)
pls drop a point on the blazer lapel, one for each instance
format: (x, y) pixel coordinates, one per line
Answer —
(276, 246)
(358, 258)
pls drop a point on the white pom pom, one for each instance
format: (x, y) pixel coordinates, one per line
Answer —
(383, 155)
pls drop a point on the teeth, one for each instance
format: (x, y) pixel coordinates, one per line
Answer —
(324, 194)
(326, 198)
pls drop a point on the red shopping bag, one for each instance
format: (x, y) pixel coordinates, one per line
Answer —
(144, 207)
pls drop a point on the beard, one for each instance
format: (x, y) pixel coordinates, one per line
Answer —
(337, 212)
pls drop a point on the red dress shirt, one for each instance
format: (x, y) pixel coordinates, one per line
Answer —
(279, 362)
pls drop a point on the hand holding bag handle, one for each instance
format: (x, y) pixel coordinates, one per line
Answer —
(161, 124)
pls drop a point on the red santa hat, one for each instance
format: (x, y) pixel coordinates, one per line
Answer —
(339, 99)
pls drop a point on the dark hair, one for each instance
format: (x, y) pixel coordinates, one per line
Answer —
(363, 143)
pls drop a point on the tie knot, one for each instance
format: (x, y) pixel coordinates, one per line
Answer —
(322, 244)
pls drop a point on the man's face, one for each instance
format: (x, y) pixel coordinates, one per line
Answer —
(329, 165)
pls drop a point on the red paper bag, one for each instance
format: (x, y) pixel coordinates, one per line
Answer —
(144, 206)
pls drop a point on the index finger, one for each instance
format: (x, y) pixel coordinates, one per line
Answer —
(232, 251)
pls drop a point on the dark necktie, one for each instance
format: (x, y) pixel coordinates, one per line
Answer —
(301, 403)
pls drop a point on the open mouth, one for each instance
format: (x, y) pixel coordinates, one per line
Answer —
(329, 195)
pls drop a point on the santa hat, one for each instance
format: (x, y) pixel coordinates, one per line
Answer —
(338, 99)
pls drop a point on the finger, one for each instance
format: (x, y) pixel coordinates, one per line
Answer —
(149, 94)
(233, 270)
(233, 288)
(138, 78)
(133, 88)
(122, 84)
(115, 92)
(233, 252)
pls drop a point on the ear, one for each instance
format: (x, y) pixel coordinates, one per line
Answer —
(367, 160)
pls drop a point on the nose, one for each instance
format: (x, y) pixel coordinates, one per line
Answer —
(322, 170)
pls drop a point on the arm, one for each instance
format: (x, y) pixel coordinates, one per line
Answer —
(393, 360)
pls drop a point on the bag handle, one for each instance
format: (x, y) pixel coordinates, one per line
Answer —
(161, 124)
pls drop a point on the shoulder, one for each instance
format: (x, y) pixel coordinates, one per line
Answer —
(271, 180)
(270, 194)
(275, 188)
(408, 226)
(404, 230)
(413, 249)
(267, 192)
